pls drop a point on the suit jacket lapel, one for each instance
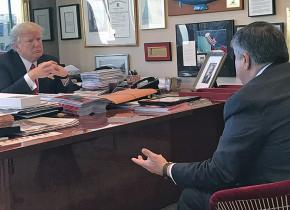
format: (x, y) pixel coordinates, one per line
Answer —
(19, 69)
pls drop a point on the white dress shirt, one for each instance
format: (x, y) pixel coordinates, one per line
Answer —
(28, 80)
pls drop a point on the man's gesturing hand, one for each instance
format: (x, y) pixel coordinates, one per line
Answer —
(154, 162)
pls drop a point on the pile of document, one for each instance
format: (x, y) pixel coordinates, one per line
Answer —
(157, 110)
(100, 79)
(79, 104)
(18, 101)
(85, 103)
(6, 118)
(7, 125)
(45, 124)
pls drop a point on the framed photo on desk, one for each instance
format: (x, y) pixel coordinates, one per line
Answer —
(209, 70)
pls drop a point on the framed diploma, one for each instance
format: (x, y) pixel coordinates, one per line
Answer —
(43, 18)
(261, 7)
(157, 51)
(69, 16)
(109, 23)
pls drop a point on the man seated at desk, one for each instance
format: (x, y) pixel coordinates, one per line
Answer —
(26, 70)
(255, 145)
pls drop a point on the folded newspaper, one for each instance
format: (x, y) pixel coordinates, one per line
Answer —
(45, 124)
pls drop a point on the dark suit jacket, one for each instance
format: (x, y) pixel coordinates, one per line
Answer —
(12, 71)
(255, 145)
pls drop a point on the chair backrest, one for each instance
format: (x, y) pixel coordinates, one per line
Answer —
(257, 197)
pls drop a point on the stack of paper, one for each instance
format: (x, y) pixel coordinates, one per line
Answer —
(18, 101)
(100, 79)
(79, 105)
(156, 110)
(7, 125)
(45, 124)
(6, 118)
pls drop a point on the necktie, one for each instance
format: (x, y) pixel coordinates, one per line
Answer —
(36, 90)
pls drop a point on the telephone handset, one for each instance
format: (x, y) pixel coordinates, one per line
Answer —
(148, 82)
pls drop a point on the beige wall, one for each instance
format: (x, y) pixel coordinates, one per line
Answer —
(74, 52)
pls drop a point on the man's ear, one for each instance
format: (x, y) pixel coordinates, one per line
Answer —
(247, 61)
(15, 47)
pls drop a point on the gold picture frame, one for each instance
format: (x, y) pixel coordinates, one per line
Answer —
(109, 23)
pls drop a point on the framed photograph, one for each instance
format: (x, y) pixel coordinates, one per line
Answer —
(195, 40)
(238, 27)
(261, 8)
(158, 51)
(209, 70)
(186, 7)
(70, 21)
(119, 61)
(43, 18)
(109, 23)
(280, 26)
(288, 27)
(151, 14)
(200, 58)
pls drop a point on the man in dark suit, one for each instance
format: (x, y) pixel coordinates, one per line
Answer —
(25, 69)
(255, 145)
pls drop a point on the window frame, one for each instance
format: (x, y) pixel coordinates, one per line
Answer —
(7, 26)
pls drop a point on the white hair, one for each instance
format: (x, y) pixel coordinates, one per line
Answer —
(19, 29)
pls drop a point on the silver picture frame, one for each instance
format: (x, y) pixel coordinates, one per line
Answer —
(209, 70)
(120, 61)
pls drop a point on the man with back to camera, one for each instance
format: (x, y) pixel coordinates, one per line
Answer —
(255, 145)
(26, 70)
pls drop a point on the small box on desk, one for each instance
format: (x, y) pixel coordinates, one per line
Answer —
(221, 93)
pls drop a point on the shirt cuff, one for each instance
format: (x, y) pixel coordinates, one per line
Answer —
(65, 81)
(169, 172)
(30, 82)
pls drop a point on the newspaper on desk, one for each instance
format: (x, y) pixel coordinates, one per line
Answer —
(45, 124)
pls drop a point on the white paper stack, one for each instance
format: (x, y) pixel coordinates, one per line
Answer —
(100, 79)
(18, 101)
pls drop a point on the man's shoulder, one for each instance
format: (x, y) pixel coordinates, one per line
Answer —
(8, 56)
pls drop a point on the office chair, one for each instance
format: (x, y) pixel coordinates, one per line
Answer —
(268, 196)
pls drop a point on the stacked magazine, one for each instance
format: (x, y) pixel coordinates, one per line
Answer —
(100, 79)
(7, 125)
(84, 104)
(45, 124)
(77, 104)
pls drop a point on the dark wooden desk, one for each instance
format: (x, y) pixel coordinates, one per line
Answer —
(88, 167)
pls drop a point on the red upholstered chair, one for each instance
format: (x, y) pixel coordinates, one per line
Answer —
(263, 197)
